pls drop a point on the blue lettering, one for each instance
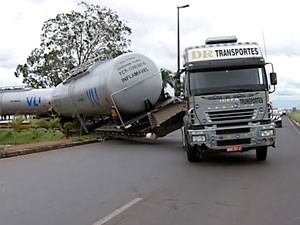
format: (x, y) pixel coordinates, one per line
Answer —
(29, 101)
(89, 96)
(33, 101)
(93, 97)
(97, 98)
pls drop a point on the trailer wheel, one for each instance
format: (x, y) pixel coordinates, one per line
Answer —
(192, 153)
(261, 153)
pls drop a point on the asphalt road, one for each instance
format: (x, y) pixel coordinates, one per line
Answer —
(151, 182)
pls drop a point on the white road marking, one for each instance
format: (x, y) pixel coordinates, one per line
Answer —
(117, 212)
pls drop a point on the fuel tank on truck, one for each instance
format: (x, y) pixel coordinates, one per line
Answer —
(22, 100)
(124, 82)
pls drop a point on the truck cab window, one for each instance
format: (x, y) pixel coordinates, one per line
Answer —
(228, 80)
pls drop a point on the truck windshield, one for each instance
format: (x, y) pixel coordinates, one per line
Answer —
(227, 81)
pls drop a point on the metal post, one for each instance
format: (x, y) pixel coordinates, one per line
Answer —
(178, 36)
(177, 76)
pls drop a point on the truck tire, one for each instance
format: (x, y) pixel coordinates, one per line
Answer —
(183, 139)
(261, 153)
(192, 153)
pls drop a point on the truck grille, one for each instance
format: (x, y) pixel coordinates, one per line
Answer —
(231, 115)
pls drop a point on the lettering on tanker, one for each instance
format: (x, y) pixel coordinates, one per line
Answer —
(132, 70)
(33, 101)
(123, 68)
(93, 97)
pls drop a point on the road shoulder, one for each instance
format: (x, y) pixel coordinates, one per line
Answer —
(16, 150)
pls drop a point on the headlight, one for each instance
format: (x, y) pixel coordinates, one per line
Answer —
(266, 133)
(199, 138)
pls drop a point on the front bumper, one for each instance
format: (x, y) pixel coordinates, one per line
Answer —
(241, 138)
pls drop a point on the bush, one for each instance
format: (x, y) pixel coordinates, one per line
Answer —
(68, 127)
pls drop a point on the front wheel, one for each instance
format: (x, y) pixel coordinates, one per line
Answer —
(261, 153)
(192, 153)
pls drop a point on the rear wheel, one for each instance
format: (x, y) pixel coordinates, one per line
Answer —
(261, 153)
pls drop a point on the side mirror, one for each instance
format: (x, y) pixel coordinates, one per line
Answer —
(273, 78)
(177, 82)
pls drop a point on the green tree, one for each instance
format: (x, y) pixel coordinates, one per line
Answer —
(167, 77)
(71, 39)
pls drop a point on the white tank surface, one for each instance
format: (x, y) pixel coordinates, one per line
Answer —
(124, 82)
(21, 100)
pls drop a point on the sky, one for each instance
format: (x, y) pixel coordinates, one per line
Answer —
(154, 32)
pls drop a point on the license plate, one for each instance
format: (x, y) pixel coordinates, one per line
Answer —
(234, 148)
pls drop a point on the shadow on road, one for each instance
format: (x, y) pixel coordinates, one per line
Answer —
(232, 159)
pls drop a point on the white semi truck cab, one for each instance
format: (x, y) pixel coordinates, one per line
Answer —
(226, 91)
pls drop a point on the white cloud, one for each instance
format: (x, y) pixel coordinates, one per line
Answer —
(7, 78)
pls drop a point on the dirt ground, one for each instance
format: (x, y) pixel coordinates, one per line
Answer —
(34, 145)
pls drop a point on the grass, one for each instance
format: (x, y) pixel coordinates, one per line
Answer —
(26, 136)
(9, 137)
(295, 116)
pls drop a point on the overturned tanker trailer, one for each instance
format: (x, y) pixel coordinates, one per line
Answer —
(121, 96)
(124, 94)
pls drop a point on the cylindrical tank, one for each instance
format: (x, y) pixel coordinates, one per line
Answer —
(20, 100)
(124, 82)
